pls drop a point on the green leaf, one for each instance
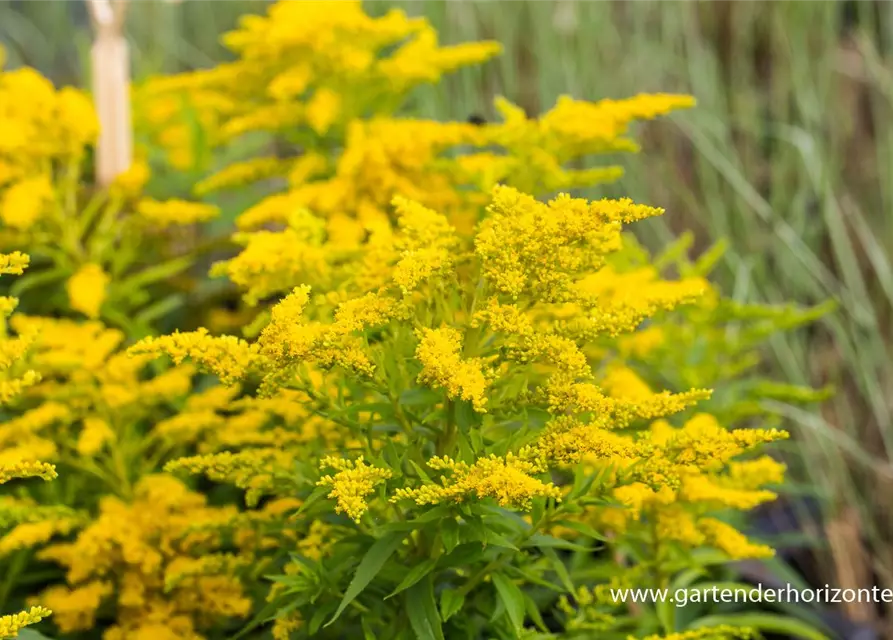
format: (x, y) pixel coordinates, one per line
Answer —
(582, 483)
(505, 519)
(477, 440)
(466, 449)
(419, 396)
(539, 507)
(666, 613)
(161, 308)
(466, 416)
(767, 622)
(675, 252)
(583, 528)
(422, 474)
(368, 634)
(496, 540)
(449, 534)
(157, 272)
(384, 409)
(533, 612)
(512, 599)
(319, 617)
(415, 574)
(686, 578)
(261, 617)
(560, 569)
(31, 634)
(314, 496)
(466, 553)
(480, 532)
(391, 456)
(451, 602)
(533, 579)
(422, 611)
(370, 565)
(432, 515)
(707, 260)
(542, 540)
(31, 280)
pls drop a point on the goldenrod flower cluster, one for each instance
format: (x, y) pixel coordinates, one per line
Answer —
(510, 480)
(446, 367)
(84, 401)
(720, 632)
(482, 371)
(11, 625)
(18, 466)
(111, 249)
(442, 366)
(143, 557)
(351, 484)
(301, 65)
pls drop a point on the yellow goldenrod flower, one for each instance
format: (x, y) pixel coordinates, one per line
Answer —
(323, 110)
(7, 306)
(677, 524)
(734, 543)
(288, 338)
(130, 183)
(351, 484)
(10, 389)
(182, 568)
(699, 489)
(584, 397)
(87, 289)
(442, 366)
(30, 422)
(763, 470)
(28, 535)
(25, 202)
(318, 541)
(143, 558)
(641, 343)
(14, 263)
(77, 118)
(95, 434)
(721, 632)
(529, 247)
(274, 262)
(228, 357)
(284, 626)
(75, 609)
(508, 480)
(165, 213)
(369, 311)
(567, 440)
(27, 470)
(254, 469)
(241, 173)
(622, 382)
(11, 625)
(12, 351)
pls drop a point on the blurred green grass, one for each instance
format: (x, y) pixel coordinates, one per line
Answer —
(789, 156)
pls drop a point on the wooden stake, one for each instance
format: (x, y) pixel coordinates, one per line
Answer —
(111, 89)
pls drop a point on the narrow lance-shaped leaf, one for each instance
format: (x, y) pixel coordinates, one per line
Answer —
(375, 558)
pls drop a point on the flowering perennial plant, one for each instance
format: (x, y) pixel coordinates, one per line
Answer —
(474, 437)
(463, 403)
(95, 242)
(15, 379)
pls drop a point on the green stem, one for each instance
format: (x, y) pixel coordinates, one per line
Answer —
(447, 439)
(498, 562)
